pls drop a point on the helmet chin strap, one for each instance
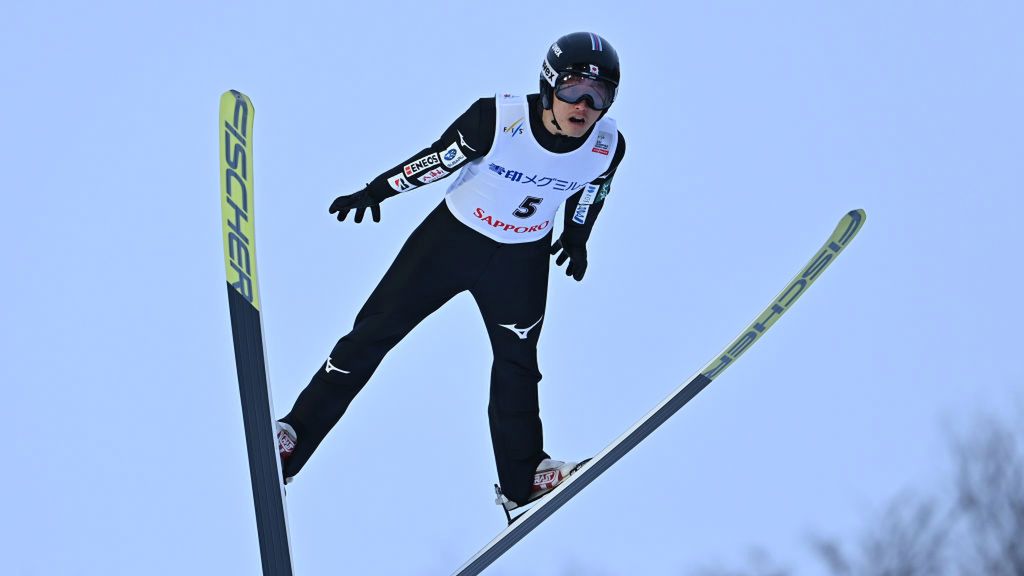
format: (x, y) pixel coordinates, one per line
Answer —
(555, 120)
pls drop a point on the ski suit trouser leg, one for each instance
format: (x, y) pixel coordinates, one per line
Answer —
(427, 272)
(512, 296)
(441, 258)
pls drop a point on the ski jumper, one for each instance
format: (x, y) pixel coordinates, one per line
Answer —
(491, 236)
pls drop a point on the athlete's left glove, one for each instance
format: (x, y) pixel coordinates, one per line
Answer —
(573, 244)
(359, 202)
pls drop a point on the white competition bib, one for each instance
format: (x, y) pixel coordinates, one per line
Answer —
(513, 193)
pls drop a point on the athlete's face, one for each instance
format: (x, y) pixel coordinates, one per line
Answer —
(575, 119)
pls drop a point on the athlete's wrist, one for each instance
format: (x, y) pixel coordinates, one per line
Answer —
(575, 234)
(379, 190)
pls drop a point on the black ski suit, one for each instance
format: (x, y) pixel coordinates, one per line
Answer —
(442, 258)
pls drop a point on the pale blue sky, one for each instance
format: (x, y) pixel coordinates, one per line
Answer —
(752, 127)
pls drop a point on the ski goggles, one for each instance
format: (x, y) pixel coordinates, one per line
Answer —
(572, 88)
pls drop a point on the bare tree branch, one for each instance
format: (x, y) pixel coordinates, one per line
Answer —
(977, 529)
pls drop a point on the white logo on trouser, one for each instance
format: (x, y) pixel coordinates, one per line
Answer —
(521, 332)
(330, 367)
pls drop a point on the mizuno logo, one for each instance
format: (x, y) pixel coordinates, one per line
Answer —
(462, 140)
(330, 367)
(521, 332)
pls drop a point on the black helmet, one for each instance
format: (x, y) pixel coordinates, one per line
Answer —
(583, 53)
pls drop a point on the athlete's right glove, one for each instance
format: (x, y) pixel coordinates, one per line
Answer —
(359, 202)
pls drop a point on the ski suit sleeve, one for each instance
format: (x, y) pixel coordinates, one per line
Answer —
(469, 137)
(579, 219)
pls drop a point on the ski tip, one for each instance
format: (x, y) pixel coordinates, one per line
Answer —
(847, 228)
(233, 95)
(857, 216)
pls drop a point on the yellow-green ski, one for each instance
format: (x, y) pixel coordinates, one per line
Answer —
(521, 525)
(237, 205)
(236, 185)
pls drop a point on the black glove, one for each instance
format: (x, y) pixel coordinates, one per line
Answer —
(574, 248)
(359, 201)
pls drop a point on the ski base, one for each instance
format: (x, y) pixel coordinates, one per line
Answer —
(267, 490)
(237, 205)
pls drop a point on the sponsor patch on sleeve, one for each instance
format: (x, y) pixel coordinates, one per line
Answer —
(452, 156)
(417, 166)
(580, 216)
(589, 195)
(399, 183)
(583, 208)
(432, 174)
